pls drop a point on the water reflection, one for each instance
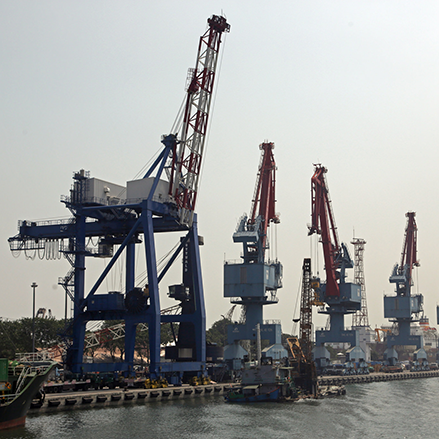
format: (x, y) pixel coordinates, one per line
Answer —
(387, 410)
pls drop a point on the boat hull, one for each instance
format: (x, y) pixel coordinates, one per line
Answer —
(18, 422)
(263, 397)
(13, 413)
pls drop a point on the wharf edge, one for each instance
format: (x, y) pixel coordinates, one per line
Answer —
(376, 377)
(116, 397)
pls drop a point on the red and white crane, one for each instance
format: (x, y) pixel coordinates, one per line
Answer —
(187, 151)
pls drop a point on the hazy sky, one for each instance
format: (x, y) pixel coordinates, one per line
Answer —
(353, 85)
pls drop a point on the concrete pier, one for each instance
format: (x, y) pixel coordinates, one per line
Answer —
(374, 377)
(117, 397)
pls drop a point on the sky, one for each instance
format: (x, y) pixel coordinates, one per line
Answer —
(352, 85)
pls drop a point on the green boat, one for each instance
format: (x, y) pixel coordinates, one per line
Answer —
(20, 383)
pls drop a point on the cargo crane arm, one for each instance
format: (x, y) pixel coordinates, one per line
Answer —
(186, 152)
(252, 231)
(336, 255)
(263, 203)
(295, 349)
(402, 274)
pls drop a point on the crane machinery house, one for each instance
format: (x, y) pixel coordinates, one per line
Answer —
(139, 190)
(103, 192)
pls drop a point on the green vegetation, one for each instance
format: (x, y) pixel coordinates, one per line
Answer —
(16, 335)
(217, 334)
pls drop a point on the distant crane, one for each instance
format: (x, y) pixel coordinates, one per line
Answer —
(377, 333)
(41, 313)
(253, 283)
(301, 347)
(163, 201)
(306, 303)
(229, 313)
(401, 306)
(340, 296)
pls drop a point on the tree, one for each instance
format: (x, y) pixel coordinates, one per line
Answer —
(16, 335)
(117, 346)
(10, 341)
(218, 332)
(114, 345)
(47, 331)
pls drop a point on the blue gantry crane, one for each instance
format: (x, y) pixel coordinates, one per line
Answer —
(402, 306)
(121, 218)
(253, 283)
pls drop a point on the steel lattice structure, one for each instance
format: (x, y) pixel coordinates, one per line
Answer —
(360, 318)
(187, 155)
(306, 309)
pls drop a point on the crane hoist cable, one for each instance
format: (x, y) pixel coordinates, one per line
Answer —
(146, 166)
(142, 278)
(176, 126)
(142, 171)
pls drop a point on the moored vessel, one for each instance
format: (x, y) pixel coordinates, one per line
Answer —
(267, 381)
(20, 383)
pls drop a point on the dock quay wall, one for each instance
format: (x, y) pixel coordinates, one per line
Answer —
(374, 377)
(117, 397)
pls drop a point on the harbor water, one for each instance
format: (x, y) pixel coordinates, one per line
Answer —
(396, 409)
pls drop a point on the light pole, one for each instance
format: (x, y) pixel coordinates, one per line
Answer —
(34, 285)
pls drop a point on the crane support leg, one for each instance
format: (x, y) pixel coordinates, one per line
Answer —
(197, 285)
(130, 266)
(75, 355)
(130, 340)
(151, 264)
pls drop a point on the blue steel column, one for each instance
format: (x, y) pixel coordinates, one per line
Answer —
(130, 268)
(130, 341)
(200, 312)
(253, 315)
(154, 309)
(130, 327)
(79, 323)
